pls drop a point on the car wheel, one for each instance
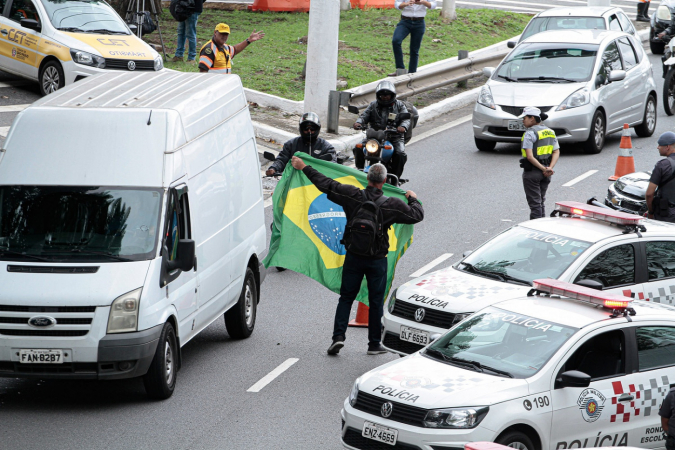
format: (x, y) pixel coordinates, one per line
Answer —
(596, 138)
(648, 125)
(669, 92)
(657, 48)
(51, 78)
(160, 380)
(485, 146)
(240, 319)
(517, 440)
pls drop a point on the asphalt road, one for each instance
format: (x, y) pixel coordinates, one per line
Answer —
(468, 196)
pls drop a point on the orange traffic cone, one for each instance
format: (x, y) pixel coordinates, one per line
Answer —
(625, 163)
(361, 316)
(280, 5)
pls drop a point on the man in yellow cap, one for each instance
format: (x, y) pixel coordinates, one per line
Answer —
(216, 57)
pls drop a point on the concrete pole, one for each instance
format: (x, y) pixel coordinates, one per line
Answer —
(448, 10)
(599, 3)
(322, 55)
(345, 5)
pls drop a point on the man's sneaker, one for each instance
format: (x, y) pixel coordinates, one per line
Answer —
(391, 74)
(335, 347)
(177, 59)
(191, 61)
(376, 349)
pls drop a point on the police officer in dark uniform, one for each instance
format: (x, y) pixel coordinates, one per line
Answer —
(540, 151)
(667, 413)
(377, 114)
(308, 142)
(661, 190)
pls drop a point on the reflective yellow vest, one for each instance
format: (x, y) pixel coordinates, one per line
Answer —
(543, 146)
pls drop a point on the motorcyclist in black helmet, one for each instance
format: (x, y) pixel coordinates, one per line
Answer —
(308, 142)
(376, 114)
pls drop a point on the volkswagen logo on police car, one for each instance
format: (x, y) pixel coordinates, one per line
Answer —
(41, 321)
(131, 65)
(419, 314)
(387, 409)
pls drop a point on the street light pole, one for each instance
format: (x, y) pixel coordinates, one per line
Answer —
(322, 55)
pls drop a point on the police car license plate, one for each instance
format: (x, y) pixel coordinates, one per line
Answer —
(414, 335)
(516, 125)
(41, 356)
(380, 433)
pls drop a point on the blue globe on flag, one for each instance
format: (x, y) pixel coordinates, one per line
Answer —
(328, 221)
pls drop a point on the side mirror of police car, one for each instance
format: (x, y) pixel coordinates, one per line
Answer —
(617, 75)
(467, 253)
(593, 284)
(488, 71)
(573, 378)
(353, 109)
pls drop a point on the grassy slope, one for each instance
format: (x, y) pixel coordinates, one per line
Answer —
(274, 64)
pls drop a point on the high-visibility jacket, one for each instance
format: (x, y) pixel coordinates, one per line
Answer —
(216, 60)
(543, 147)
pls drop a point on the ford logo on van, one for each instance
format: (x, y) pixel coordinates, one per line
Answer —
(41, 321)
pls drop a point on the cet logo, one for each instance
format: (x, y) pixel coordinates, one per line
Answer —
(327, 221)
(591, 403)
(41, 321)
(387, 409)
(419, 314)
(131, 65)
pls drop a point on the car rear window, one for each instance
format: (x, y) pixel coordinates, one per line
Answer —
(540, 24)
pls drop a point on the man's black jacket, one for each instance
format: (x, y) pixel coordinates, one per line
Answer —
(321, 149)
(376, 115)
(350, 197)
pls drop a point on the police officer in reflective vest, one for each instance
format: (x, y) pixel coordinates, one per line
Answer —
(667, 413)
(540, 153)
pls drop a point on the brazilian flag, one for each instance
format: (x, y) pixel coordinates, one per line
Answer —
(308, 227)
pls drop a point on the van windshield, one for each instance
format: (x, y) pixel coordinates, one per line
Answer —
(84, 16)
(75, 223)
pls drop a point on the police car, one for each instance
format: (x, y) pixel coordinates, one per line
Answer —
(584, 244)
(540, 372)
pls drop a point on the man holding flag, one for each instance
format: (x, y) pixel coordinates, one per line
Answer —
(366, 253)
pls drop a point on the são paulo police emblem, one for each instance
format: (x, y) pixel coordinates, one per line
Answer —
(327, 221)
(591, 403)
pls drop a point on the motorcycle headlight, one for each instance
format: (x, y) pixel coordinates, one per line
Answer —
(485, 97)
(455, 417)
(579, 98)
(392, 301)
(124, 313)
(87, 59)
(372, 146)
(354, 393)
(663, 13)
(159, 64)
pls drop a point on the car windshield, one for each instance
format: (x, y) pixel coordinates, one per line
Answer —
(523, 254)
(540, 24)
(548, 63)
(66, 223)
(501, 343)
(84, 16)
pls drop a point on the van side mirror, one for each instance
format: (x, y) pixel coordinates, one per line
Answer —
(593, 284)
(404, 116)
(353, 109)
(184, 262)
(511, 44)
(31, 24)
(573, 378)
(488, 71)
(617, 75)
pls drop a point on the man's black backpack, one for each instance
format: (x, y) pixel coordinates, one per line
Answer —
(182, 9)
(364, 231)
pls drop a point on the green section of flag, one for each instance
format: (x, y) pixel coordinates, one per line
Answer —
(308, 227)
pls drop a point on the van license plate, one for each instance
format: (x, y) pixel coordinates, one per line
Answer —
(414, 335)
(41, 356)
(380, 433)
(516, 125)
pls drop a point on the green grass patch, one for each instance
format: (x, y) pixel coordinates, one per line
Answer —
(274, 64)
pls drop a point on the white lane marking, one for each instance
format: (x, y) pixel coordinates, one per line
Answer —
(440, 129)
(13, 108)
(428, 267)
(7, 84)
(4, 131)
(579, 178)
(267, 379)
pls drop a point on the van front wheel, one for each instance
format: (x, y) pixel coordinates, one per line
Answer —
(160, 381)
(240, 319)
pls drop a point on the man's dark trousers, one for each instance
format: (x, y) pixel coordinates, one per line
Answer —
(414, 28)
(535, 184)
(353, 271)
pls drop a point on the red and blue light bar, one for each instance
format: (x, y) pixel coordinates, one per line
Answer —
(581, 293)
(596, 212)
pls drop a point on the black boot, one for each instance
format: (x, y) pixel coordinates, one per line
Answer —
(641, 13)
(646, 10)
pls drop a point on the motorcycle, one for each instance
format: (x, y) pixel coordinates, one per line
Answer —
(668, 59)
(377, 146)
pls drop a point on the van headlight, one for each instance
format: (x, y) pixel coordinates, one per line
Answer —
(663, 13)
(159, 64)
(392, 301)
(485, 97)
(455, 417)
(354, 393)
(124, 313)
(579, 98)
(87, 59)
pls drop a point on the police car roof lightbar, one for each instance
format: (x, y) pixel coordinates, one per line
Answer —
(584, 294)
(595, 212)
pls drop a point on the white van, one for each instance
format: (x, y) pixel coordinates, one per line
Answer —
(131, 217)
